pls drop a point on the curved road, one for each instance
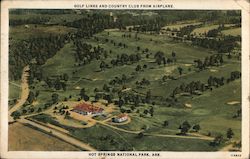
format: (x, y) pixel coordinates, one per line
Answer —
(195, 136)
(24, 93)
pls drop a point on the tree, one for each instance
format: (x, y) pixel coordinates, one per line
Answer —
(120, 103)
(16, 115)
(37, 93)
(196, 127)
(173, 54)
(106, 88)
(148, 96)
(145, 112)
(82, 92)
(102, 65)
(217, 140)
(229, 133)
(86, 97)
(55, 98)
(39, 109)
(24, 111)
(185, 126)
(180, 70)
(67, 114)
(151, 111)
(31, 97)
(138, 48)
(63, 86)
(164, 61)
(140, 135)
(138, 68)
(65, 77)
(165, 123)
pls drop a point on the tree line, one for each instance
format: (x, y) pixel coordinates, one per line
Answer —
(195, 86)
(213, 60)
(34, 50)
(222, 45)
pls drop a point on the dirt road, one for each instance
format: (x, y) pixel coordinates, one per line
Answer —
(179, 136)
(201, 137)
(230, 146)
(24, 94)
(59, 134)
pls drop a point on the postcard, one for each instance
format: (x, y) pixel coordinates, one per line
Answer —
(125, 79)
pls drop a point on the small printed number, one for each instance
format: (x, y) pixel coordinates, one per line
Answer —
(235, 155)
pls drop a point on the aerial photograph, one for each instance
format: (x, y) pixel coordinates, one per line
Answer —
(124, 80)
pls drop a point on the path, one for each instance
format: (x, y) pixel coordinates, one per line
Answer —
(200, 137)
(64, 136)
(230, 146)
(24, 94)
(180, 136)
(227, 147)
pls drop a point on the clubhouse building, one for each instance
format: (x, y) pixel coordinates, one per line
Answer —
(87, 109)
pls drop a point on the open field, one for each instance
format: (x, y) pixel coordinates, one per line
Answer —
(23, 138)
(117, 140)
(178, 26)
(204, 29)
(52, 19)
(233, 32)
(31, 30)
(15, 88)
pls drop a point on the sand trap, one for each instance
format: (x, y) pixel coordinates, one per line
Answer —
(233, 102)
(170, 69)
(213, 70)
(188, 64)
(34, 103)
(77, 87)
(127, 89)
(188, 105)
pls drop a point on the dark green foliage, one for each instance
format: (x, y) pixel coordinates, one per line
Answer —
(16, 115)
(31, 97)
(196, 127)
(217, 140)
(229, 133)
(55, 98)
(184, 127)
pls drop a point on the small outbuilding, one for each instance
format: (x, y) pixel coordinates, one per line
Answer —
(120, 118)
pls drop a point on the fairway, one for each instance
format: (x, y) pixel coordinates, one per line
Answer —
(201, 111)
(204, 29)
(233, 32)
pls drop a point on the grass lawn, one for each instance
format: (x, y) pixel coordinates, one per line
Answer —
(178, 26)
(53, 18)
(14, 90)
(21, 32)
(111, 139)
(204, 29)
(209, 109)
(233, 32)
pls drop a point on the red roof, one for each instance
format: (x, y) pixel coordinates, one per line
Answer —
(122, 115)
(87, 108)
